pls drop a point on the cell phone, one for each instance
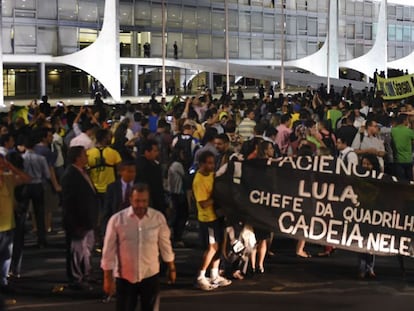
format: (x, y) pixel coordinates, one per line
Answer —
(169, 119)
(60, 104)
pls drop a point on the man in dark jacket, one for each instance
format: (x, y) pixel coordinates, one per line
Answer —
(80, 210)
(118, 193)
(149, 172)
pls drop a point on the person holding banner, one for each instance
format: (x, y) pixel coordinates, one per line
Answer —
(367, 261)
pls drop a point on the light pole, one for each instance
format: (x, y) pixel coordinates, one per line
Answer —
(282, 52)
(163, 91)
(227, 48)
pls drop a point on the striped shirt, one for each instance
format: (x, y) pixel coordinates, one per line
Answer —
(246, 128)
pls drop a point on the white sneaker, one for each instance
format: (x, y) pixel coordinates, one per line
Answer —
(205, 284)
(221, 281)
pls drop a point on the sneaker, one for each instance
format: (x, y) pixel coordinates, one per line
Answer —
(205, 284)
(221, 281)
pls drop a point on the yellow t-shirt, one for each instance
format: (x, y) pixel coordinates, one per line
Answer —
(7, 202)
(102, 175)
(203, 190)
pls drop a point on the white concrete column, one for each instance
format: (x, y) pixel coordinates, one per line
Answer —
(211, 80)
(42, 78)
(135, 80)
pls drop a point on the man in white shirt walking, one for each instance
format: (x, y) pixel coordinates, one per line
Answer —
(134, 238)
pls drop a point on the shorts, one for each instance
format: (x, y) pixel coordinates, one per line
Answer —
(211, 232)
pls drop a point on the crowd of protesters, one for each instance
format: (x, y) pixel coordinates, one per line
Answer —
(86, 161)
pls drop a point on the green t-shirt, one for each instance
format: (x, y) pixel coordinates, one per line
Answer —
(402, 137)
(334, 115)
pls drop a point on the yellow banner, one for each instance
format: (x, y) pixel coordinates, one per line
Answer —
(396, 88)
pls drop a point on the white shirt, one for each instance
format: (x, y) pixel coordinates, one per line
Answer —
(132, 245)
(348, 155)
(82, 140)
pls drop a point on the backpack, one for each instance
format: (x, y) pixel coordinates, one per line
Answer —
(185, 142)
(100, 163)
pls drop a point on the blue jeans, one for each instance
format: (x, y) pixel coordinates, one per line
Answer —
(6, 245)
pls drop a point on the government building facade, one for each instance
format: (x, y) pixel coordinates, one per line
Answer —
(51, 46)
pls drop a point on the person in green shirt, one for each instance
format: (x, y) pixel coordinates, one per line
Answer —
(403, 137)
(333, 115)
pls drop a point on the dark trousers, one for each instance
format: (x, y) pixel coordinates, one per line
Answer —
(78, 257)
(403, 171)
(6, 245)
(35, 194)
(127, 294)
(180, 206)
(18, 242)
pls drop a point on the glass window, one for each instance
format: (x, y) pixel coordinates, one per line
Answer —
(368, 31)
(204, 46)
(257, 48)
(233, 20)
(257, 21)
(350, 7)
(367, 9)
(399, 13)
(268, 24)
(312, 26)
(244, 21)
(278, 23)
(399, 52)
(189, 46)
(68, 40)
(268, 49)
(391, 52)
(350, 31)
(26, 4)
(391, 32)
(47, 9)
(349, 51)
(290, 52)
(125, 14)
(322, 5)
(412, 34)
(359, 9)
(203, 19)
(46, 40)
(88, 11)
(189, 17)
(156, 15)
(68, 9)
(392, 12)
(7, 7)
(6, 39)
(359, 50)
(398, 33)
(244, 48)
(24, 35)
(407, 33)
(302, 25)
(142, 13)
(301, 48)
(156, 45)
(322, 27)
(217, 20)
(312, 47)
(290, 4)
(359, 30)
(233, 47)
(218, 47)
(174, 16)
(291, 25)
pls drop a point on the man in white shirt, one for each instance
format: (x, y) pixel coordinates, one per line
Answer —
(346, 153)
(134, 238)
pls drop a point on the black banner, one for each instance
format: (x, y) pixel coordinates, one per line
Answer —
(321, 200)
